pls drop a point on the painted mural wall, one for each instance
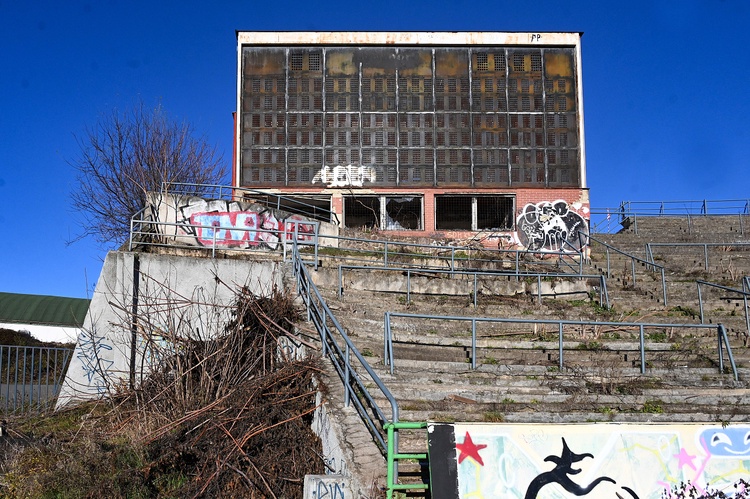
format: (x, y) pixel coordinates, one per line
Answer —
(602, 461)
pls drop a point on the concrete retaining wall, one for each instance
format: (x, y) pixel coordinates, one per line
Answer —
(203, 289)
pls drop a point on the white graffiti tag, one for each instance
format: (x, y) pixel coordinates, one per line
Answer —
(345, 176)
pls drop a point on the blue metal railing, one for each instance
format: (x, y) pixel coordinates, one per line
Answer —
(338, 347)
(649, 264)
(689, 207)
(723, 340)
(31, 377)
(650, 248)
(611, 220)
(538, 277)
(743, 294)
(269, 199)
(185, 235)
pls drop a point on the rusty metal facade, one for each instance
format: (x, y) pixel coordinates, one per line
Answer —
(409, 116)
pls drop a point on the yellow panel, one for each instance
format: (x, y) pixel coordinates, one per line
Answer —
(341, 62)
(558, 64)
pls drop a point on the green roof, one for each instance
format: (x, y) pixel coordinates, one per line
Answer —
(44, 310)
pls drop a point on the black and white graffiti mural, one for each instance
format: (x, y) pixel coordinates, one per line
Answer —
(551, 226)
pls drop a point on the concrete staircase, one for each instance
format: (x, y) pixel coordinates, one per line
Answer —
(518, 378)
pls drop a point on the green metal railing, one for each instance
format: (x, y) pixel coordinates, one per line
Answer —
(393, 456)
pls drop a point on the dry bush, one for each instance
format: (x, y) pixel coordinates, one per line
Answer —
(226, 416)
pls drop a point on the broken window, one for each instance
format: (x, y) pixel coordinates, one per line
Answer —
(453, 212)
(362, 211)
(474, 212)
(385, 212)
(403, 213)
(494, 212)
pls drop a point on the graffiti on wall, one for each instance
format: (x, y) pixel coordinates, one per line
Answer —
(228, 224)
(92, 349)
(345, 176)
(325, 487)
(552, 226)
(625, 461)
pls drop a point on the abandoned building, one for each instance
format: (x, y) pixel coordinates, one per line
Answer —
(468, 135)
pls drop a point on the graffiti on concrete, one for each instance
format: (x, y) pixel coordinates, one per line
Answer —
(92, 348)
(551, 226)
(325, 487)
(561, 475)
(625, 461)
(228, 224)
(345, 176)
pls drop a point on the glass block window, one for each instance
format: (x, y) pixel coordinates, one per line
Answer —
(407, 116)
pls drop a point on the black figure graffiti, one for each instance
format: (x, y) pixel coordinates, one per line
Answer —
(559, 475)
(551, 226)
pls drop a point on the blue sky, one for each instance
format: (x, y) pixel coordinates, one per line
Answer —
(666, 88)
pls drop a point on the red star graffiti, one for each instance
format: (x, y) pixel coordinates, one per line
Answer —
(469, 449)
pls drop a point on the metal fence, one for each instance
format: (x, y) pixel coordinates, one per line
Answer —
(31, 377)
(704, 246)
(473, 276)
(722, 339)
(613, 220)
(268, 199)
(145, 231)
(634, 261)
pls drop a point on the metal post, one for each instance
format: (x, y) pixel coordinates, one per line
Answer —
(347, 376)
(323, 334)
(632, 269)
(720, 349)
(213, 246)
(473, 344)
(539, 289)
(386, 325)
(475, 290)
(560, 341)
(390, 459)
(664, 285)
(643, 350)
(700, 302)
(341, 282)
(408, 286)
(705, 256)
(385, 258)
(609, 273)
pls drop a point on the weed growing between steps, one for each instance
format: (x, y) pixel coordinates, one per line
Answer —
(221, 417)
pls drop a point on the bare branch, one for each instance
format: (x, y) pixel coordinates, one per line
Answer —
(125, 156)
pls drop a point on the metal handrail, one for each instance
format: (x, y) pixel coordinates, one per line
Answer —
(455, 253)
(649, 264)
(705, 246)
(692, 207)
(339, 348)
(142, 224)
(285, 236)
(603, 295)
(230, 192)
(743, 292)
(723, 341)
(394, 456)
